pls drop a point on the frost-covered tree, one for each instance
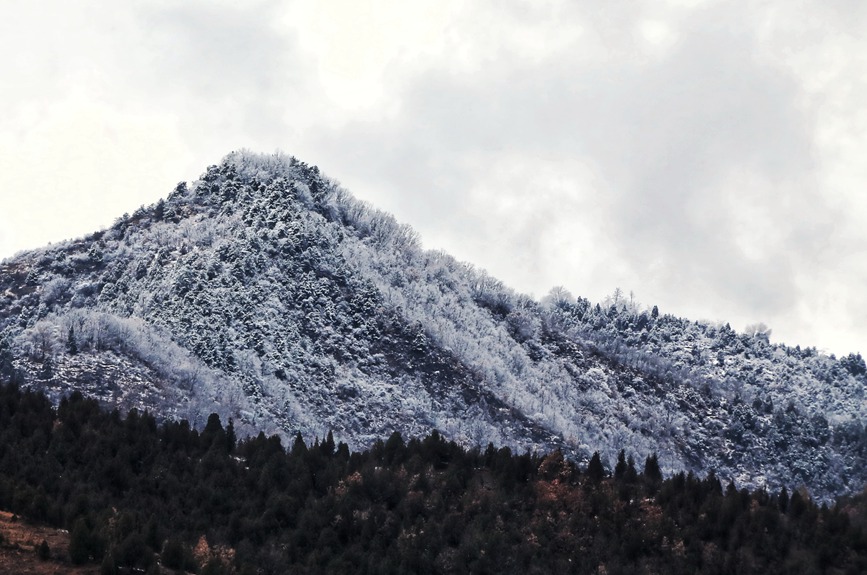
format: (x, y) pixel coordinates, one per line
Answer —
(268, 294)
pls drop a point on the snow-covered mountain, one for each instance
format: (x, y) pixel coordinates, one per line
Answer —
(267, 293)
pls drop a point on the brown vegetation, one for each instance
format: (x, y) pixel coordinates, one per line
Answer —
(19, 549)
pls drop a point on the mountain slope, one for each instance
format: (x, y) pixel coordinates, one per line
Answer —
(267, 293)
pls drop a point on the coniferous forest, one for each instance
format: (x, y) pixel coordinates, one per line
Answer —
(138, 496)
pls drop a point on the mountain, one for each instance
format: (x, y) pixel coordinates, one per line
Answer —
(266, 293)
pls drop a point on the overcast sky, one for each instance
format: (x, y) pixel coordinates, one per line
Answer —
(709, 156)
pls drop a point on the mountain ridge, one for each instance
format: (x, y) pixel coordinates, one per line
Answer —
(267, 293)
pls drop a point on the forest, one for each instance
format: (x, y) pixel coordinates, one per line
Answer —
(141, 496)
(266, 293)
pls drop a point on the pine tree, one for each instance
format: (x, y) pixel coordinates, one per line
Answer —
(631, 474)
(231, 436)
(595, 471)
(651, 468)
(299, 449)
(43, 551)
(159, 210)
(652, 474)
(79, 542)
(783, 500)
(620, 468)
(327, 446)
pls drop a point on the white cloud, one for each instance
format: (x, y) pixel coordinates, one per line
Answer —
(80, 165)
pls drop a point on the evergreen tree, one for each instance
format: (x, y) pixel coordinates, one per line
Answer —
(783, 500)
(327, 446)
(80, 542)
(651, 469)
(43, 551)
(231, 436)
(620, 468)
(299, 449)
(595, 471)
(159, 210)
(631, 474)
(213, 436)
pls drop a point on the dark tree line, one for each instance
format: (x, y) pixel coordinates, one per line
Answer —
(135, 494)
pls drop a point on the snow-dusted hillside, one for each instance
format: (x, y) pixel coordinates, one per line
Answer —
(267, 293)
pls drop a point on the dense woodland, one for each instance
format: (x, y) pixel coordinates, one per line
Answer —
(135, 494)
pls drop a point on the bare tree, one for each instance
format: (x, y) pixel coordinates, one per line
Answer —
(43, 340)
(558, 296)
(758, 330)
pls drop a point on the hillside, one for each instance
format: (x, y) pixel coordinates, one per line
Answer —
(266, 293)
(133, 496)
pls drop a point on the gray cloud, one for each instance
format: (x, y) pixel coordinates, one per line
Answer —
(230, 69)
(704, 155)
